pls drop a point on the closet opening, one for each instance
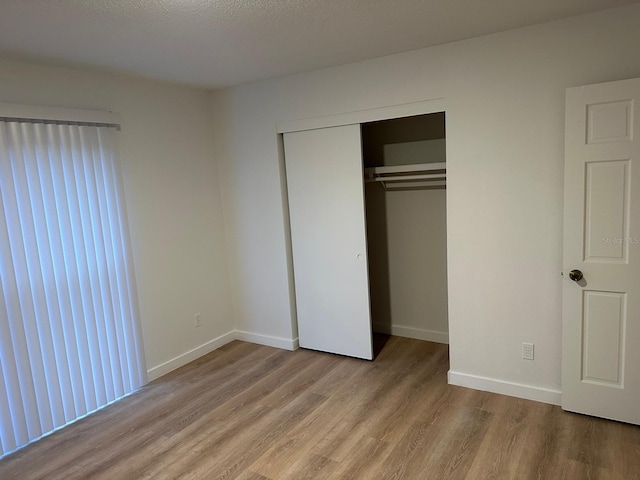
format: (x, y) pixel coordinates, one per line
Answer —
(404, 162)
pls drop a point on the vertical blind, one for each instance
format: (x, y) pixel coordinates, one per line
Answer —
(70, 338)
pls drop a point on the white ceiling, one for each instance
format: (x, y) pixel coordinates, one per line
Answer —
(216, 43)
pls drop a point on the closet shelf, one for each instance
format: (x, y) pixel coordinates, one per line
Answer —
(413, 176)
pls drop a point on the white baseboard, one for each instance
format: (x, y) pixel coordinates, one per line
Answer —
(210, 346)
(412, 332)
(493, 385)
(528, 392)
(278, 342)
(190, 356)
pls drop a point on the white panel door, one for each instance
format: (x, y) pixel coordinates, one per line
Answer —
(328, 237)
(601, 311)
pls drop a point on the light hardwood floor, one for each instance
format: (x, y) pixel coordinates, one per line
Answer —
(250, 412)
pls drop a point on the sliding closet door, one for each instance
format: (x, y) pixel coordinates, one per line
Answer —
(326, 203)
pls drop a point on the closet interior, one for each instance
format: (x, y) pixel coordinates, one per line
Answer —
(404, 162)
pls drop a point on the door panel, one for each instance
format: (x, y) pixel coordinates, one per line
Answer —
(328, 237)
(604, 320)
(601, 312)
(607, 206)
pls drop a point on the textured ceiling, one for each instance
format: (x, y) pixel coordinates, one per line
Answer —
(217, 43)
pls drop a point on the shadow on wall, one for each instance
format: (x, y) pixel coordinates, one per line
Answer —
(378, 254)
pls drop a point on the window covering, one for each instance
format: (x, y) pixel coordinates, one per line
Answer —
(70, 339)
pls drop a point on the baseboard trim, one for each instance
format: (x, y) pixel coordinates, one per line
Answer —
(268, 340)
(412, 332)
(528, 392)
(191, 355)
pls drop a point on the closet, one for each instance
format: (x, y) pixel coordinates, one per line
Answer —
(405, 205)
(368, 231)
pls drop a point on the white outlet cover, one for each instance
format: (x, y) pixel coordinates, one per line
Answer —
(527, 351)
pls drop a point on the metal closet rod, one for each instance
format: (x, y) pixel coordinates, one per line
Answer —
(415, 173)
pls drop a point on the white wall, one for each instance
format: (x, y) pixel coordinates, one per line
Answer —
(173, 199)
(505, 134)
(407, 240)
(416, 232)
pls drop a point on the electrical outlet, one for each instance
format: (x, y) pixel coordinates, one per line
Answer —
(197, 321)
(527, 351)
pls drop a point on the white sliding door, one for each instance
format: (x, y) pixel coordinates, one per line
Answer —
(328, 235)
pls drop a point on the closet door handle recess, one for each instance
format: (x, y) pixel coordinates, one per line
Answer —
(360, 257)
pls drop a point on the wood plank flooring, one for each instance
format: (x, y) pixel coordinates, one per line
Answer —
(250, 412)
